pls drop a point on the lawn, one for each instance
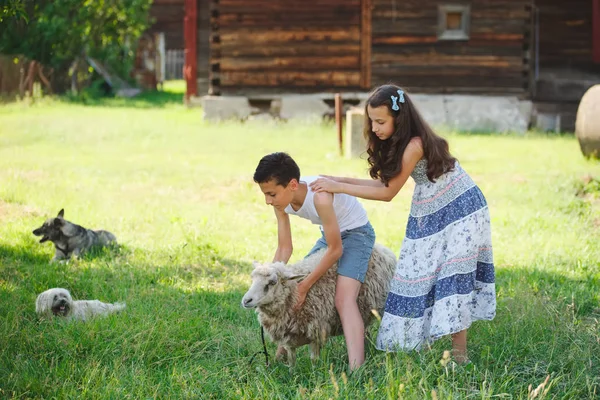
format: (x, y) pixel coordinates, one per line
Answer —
(178, 194)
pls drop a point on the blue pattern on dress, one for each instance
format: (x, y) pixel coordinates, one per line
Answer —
(466, 204)
(414, 307)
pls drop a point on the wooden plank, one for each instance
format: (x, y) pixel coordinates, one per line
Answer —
(447, 60)
(306, 18)
(301, 49)
(291, 78)
(272, 64)
(452, 49)
(342, 33)
(365, 45)
(447, 71)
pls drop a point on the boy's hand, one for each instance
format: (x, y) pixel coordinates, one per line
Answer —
(326, 185)
(302, 292)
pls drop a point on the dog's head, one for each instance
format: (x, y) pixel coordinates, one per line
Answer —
(56, 301)
(52, 228)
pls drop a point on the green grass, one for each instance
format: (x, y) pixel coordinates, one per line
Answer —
(178, 193)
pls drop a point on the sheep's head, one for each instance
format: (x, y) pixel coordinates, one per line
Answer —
(267, 282)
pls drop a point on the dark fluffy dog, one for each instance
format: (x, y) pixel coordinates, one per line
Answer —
(70, 239)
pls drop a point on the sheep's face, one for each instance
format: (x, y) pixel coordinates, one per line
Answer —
(266, 285)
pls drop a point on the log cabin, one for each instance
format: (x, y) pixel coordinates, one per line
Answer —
(547, 51)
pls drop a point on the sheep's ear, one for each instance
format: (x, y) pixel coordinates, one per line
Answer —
(288, 274)
(296, 278)
(255, 264)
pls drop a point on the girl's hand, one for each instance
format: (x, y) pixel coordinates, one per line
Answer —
(326, 185)
(302, 291)
(333, 178)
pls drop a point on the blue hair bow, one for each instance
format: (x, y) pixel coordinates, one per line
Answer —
(400, 98)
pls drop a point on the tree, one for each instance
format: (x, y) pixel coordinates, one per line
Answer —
(12, 9)
(60, 32)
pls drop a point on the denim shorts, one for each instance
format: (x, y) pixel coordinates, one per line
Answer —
(358, 245)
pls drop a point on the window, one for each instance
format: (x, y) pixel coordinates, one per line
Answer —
(453, 22)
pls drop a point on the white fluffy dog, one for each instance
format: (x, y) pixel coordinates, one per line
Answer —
(58, 301)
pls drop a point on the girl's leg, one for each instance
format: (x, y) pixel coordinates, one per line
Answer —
(459, 347)
(346, 293)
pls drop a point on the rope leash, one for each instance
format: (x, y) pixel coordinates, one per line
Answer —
(264, 350)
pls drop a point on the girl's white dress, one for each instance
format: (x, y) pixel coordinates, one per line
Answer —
(445, 277)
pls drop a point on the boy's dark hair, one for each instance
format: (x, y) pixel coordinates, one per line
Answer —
(385, 157)
(279, 166)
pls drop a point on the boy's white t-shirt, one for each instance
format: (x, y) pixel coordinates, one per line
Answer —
(348, 210)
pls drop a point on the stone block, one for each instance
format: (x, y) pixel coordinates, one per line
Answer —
(219, 108)
(303, 107)
(548, 122)
(355, 144)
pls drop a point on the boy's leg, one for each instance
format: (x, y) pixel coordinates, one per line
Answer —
(459, 347)
(352, 267)
(346, 293)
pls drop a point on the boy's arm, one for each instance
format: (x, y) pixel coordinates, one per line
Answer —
(412, 154)
(331, 229)
(284, 237)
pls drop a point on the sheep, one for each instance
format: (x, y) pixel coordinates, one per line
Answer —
(273, 294)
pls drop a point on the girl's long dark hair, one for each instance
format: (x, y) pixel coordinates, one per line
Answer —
(385, 156)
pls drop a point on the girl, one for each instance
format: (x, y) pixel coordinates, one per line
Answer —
(445, 274)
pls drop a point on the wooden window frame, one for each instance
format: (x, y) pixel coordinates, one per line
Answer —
(454, 34)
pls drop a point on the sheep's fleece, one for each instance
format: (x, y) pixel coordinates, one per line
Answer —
(58, 301)
(273, 294)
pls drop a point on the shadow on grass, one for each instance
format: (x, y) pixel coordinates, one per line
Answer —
(147, 99)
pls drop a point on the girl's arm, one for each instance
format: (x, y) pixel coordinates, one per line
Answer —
(412, 154)
(354, 181)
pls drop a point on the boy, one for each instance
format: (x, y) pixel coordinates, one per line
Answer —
(346, 234)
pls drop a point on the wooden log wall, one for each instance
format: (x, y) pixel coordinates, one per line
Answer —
(168, 18)
(495, 58)
(283, 45)
(565, 34)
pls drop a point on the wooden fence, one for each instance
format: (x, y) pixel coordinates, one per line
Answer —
(174, 64)
(10, 75)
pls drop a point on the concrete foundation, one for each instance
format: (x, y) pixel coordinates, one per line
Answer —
(456, 112)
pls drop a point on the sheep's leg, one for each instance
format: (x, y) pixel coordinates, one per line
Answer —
(282, 354)
(291, 356)
(315, 351)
